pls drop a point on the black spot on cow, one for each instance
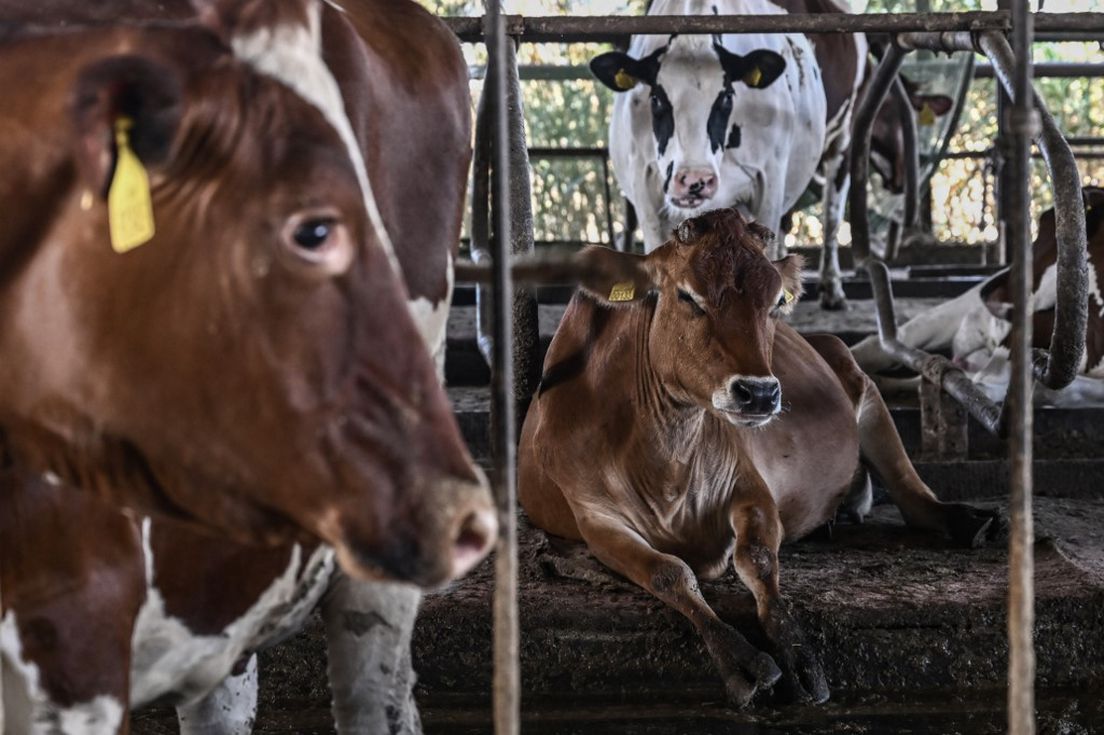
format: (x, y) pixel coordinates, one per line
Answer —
(663, 118)
(358, 623)
(733, 137)
(718, 118)
(667, 176)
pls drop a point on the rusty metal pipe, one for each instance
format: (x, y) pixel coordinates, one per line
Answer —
(884, 76)
(1023, 123)
(953, 380)
(480, 222)
(506, 695)
(1057, 368)
(912, 151)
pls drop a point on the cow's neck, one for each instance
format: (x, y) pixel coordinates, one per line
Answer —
(668, 420)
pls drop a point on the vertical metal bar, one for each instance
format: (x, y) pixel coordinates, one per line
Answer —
(481, 216)
(506, 676)
(609, 202)
(1023, 125)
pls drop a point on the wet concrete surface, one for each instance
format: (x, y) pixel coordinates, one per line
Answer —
(911, 632)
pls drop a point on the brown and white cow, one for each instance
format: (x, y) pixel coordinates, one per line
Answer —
(680, 424)
(976, 326)
(252, 368)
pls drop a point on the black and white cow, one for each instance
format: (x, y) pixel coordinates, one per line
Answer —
(705, 122)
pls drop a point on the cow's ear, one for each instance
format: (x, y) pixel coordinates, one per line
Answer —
(621, 72)
(930, 106)
(758, 70)
(130, 101)
(614, 278)
(790, 269)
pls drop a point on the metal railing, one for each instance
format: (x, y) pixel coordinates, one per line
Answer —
(949, 32)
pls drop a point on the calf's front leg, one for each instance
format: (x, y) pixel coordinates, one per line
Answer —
(743, 667)
(758, 531)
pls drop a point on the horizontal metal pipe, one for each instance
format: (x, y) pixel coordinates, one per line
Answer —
(596, 29)
(936, 367)
(581, 72)
(1060, 366)
(1053, 70)
(537, 269)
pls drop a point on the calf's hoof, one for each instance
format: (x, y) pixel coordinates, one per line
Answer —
(973, 527)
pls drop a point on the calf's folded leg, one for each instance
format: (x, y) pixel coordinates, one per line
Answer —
(743, 667)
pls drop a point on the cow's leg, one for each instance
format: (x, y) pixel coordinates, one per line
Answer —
(758, 530)
(368, 630)
(229, 709)
(883, 451)
(743, 667)
(837, 181)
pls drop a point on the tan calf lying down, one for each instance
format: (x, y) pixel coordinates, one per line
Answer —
(680, 423)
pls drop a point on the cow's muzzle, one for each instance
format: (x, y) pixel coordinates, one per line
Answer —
(693, 187)
(748, 401)
(443, 538)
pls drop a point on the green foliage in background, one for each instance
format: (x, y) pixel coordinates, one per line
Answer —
(569, 195)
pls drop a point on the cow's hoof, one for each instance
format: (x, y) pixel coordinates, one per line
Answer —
(804, 680)
(764, 670)
(833, 301)
(972, 527)
(738, 691)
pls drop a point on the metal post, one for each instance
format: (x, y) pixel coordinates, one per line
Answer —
(1024, 125)
(506, 675)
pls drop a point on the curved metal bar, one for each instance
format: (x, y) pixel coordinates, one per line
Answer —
(884, 76)
(1060, 366)
(912, 152)
(481, 218)
(953, 380)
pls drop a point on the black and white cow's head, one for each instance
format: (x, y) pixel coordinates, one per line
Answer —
(694, 84)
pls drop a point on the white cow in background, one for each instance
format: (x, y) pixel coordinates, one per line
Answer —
(705, 122)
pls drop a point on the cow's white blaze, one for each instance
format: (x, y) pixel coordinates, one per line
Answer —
(292, 54)
(168, 657)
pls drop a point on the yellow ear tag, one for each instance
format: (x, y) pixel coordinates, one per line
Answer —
(624, 80)
(129, 205)
(753, 77)
(927, 115)
(622, 291)
(789, 296)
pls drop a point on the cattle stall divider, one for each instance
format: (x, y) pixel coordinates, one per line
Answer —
(974, 32)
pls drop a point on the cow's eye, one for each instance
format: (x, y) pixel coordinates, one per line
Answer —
(313, 234)
(658, 104)
(683, 296)
(318, 238)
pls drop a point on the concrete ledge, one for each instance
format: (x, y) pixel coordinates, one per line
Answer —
(911, 632)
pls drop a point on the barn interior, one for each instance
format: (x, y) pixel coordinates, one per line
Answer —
(913, 630)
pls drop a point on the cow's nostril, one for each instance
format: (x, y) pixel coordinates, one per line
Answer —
(742, 393)
(473, 539)
(774, 394)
